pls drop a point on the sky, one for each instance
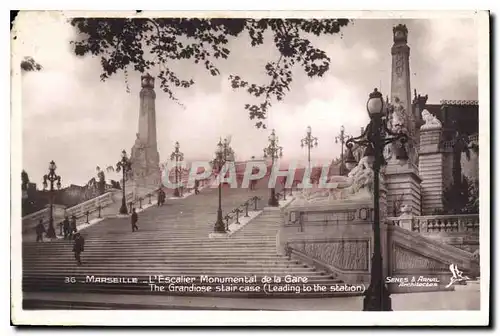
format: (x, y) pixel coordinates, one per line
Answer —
(80, 122)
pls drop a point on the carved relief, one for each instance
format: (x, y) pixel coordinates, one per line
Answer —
(399, 65)
(405, 259)
(345, 254)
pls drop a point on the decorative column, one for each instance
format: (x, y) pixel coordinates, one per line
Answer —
(431, 163)
(144, 156)
(402, 181)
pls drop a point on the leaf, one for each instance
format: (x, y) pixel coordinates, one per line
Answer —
(29, 64)
(123, 43)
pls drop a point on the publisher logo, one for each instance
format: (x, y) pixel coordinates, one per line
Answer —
(457, 276)
(414, 281)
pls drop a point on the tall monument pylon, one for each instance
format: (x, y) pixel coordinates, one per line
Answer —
(403, 117)
(146, 175)
(402, 180)
(400, 81)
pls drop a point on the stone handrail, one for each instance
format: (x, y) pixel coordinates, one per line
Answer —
(36, 215)
(32, 219)
(331, 270)
(80, 211)
(437, 223)
(83, 212)
(242, 208)
(432, 247)
(101, 201)
(291, 252)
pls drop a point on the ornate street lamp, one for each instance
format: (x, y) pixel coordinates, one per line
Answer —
(177, 156)
(274, 151)
(309, 141)
(374, 138)
(51, 177)
(125, 165)
(342, 137)
(222, 154)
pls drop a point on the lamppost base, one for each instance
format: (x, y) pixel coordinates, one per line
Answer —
(123, 209)
(219, 224)
(176, 192)
(51, 232)
(377, 298)
(273, 202)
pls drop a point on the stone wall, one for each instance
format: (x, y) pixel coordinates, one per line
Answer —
(460, 231)
(431, 170)
(403, 188)
(339, 236)
(338, 239)
(413, 255)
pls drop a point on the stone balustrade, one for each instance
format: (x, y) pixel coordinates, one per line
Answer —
(446, 223)
(32, 219)
(80, 211)
(91, 205)
(437, 223)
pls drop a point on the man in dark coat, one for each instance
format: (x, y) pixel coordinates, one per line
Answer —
(161, 197)
(134, 218)
(66, 228)
(196, 186)
(72, 226)
(78, 247)
(40, 230)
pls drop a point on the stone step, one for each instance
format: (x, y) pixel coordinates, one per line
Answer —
(219, 272)
(171, 240)
(163, 258)
(147, 279)
(132, 269)
(160, 258)
(229, 243)
(131, 253)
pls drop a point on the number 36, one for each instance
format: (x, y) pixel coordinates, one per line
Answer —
(69, 279)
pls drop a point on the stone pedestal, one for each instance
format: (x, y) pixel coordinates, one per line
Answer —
(431, 163)
(403, 185)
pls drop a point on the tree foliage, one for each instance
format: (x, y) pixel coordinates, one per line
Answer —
(124, 43)
(29, 64)
(461, 198)
(25, 180)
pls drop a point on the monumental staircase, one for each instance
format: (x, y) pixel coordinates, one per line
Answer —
(173, 240)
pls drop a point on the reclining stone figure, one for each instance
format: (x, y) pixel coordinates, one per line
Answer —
(358, 184)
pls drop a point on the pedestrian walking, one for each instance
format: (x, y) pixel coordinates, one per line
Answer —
(72, 225)
(134, 218)
(78, 247)
(66, 228)
(161, 197)
(196, 186)
(40, 230)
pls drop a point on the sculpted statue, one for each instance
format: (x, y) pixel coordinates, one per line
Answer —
(138, 143)
(430, 121)
(398, 120)
(358, 184)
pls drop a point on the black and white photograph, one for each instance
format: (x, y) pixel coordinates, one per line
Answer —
(214, 164)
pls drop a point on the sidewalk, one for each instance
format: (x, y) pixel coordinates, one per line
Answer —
(453, 300)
